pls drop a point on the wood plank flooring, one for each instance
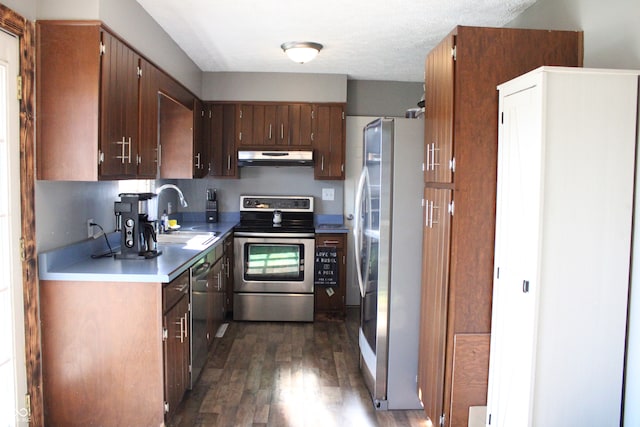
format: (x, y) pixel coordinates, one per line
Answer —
(276, 374)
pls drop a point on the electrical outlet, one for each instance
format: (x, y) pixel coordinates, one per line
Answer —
(90, 228)
(328, 194)
(169, 208)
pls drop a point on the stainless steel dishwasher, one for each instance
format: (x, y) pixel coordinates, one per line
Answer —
(201, 282)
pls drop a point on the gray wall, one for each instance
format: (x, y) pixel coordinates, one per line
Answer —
(130, 21)
(611, 40)
(263, 180)
(26, 8)
(274, 87)
(611, 30)
(381, 98)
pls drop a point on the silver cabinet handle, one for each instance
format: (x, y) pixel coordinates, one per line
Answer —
(270, 130)
(186, 324)
(198, 164)
(129, 156)
(122, 156)
(281, 130)
(229, 162)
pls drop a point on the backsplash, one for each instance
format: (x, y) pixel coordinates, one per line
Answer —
(285, 181)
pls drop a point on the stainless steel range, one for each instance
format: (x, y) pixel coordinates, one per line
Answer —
(274, 246)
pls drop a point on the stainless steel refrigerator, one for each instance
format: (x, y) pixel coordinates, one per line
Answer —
(388, 249)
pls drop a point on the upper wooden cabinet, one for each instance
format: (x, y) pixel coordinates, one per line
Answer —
(271, 125)
(461, 144)
(202, 155)
(328, 137)
(221, 131)
(98, 105)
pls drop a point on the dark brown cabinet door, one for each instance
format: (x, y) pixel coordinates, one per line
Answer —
(300, 126)
(281, 128)
(119, 109)
(330, 300)
(200, 146)
(435, 279)
(176, 354)
(328, 141)
(438, 138)
(250, 122)
(222, 142)
(148, 129)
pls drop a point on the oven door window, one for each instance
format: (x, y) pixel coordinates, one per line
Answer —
(273, 262)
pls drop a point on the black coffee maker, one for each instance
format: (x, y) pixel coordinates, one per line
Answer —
(137, 232)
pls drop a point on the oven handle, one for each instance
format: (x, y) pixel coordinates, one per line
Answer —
(280, 235)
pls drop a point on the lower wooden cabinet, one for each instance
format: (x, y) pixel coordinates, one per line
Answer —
(102, 353)
(330, 300)
(176, 354)
(175, 336)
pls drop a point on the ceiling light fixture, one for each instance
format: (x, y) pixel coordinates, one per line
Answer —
(301, 52)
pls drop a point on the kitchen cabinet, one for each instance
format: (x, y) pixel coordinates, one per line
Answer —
(148, 141)
(461, 75)
(274, 125)
(97, 103)
(328, 141)
(221, 130)
(102, 349)
(330, 300)
(180, 153)
(202, 153)
(175, 331)
(118, 108)
(561, 272)
(300, 128)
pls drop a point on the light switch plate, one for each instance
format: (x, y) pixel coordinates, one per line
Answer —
(328, 194)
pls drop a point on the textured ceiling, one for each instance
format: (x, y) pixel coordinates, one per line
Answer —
(364, 39)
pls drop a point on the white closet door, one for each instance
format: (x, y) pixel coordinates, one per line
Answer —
(516, 284)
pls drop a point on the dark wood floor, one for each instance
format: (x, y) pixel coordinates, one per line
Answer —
(286, 374)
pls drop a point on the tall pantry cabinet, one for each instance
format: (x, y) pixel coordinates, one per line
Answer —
(566, 163)
(461, 140)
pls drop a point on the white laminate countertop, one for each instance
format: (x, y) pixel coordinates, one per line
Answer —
(74, 262)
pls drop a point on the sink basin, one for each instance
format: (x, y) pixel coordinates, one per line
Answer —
(187, 237)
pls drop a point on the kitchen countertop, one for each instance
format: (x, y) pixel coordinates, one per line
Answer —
(331, 228)
(74, 262)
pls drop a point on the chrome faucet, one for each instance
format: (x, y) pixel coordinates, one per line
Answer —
(160, 189)
(154, 205)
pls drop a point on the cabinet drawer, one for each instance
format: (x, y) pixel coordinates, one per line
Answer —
(331, 240)
(174, 290)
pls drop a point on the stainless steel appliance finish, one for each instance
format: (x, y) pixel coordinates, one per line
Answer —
(200, 284)
(274, 249)
(275, 158)
(388, 250)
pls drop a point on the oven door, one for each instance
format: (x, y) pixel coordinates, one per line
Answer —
(273, 262)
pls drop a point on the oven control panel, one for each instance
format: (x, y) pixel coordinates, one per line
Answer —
(281, 203)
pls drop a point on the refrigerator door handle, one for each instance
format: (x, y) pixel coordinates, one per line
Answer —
(357, 229)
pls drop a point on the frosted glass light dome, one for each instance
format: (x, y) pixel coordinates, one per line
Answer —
(301, 52)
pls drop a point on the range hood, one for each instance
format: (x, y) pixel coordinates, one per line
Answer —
(275, 158)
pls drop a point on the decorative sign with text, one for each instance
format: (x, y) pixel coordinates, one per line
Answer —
(326, 271)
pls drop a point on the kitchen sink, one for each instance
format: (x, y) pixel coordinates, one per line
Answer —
(187, 237)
